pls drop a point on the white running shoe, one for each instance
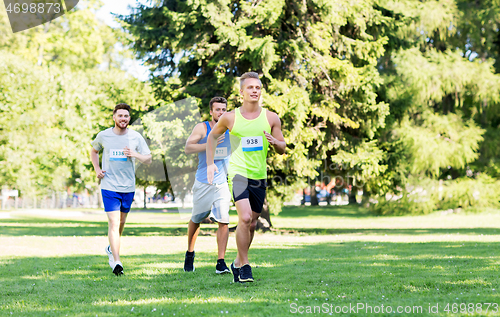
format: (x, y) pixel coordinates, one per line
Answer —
(118, 269)
(110, 255)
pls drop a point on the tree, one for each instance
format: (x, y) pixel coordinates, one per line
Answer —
(77, 39)
(48, 118)
(52, 104)
(317, 60)
(168, 128)
(362, 88)
(442, 88)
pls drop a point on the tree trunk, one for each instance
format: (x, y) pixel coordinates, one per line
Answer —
(366, 198)
(314, 197)
(352, 196)
(53, 201)
(145, 197)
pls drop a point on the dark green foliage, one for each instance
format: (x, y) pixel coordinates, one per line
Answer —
(317, 60)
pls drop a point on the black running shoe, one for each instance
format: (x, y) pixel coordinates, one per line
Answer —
(236, 273)
(188, 262)
(246, 274)
(118, 270)
(221, 267)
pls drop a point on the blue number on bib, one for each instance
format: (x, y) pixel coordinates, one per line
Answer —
(220, 153)
(117, 155)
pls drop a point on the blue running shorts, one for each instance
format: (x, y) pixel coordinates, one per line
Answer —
(117, 201)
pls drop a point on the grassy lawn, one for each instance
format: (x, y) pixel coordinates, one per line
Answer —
(331, 258)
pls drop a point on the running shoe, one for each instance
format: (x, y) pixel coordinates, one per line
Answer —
(118, 269)
(188, 262)
(236, 273)
(110, 256)
(246, 274)
(221, 267)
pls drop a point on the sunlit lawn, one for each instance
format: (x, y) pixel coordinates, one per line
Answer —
(331, 258)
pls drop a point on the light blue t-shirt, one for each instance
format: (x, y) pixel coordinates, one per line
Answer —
(120, 170)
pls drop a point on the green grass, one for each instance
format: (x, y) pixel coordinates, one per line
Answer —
(315, 256)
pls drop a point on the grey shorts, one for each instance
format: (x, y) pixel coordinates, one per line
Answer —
(210, 198)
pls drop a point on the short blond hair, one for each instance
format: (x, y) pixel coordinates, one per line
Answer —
(248, 75)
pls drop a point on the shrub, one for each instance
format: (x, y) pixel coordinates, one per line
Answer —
(426, 196)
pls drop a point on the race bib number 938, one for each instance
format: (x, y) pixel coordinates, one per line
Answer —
(252, 143)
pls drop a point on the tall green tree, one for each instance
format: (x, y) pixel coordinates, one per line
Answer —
(380, 92)
(54, 99)
(77, 39)
(50, 115)
(441, 84)
(318, 64)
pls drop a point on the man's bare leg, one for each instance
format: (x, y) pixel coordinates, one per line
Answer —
(247, 220)
(222, 237)
(193, 231)
(114, 226)
(123, 219)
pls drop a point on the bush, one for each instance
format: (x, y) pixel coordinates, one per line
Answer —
(426, 196)
(481, 192)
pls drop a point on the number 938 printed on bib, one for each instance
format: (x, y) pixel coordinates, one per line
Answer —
(252, 143)
(26, 14)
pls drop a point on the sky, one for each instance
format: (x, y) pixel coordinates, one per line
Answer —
(133, 67)
(115, 6)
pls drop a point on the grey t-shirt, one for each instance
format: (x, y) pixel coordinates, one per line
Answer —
(120, 170)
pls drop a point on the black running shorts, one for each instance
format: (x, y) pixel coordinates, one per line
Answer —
(252, 189)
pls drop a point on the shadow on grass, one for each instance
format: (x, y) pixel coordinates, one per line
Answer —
(391, 231)
(64, 227)
(351, 211)
(101, 230)
(334, 273)
(45, 227)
